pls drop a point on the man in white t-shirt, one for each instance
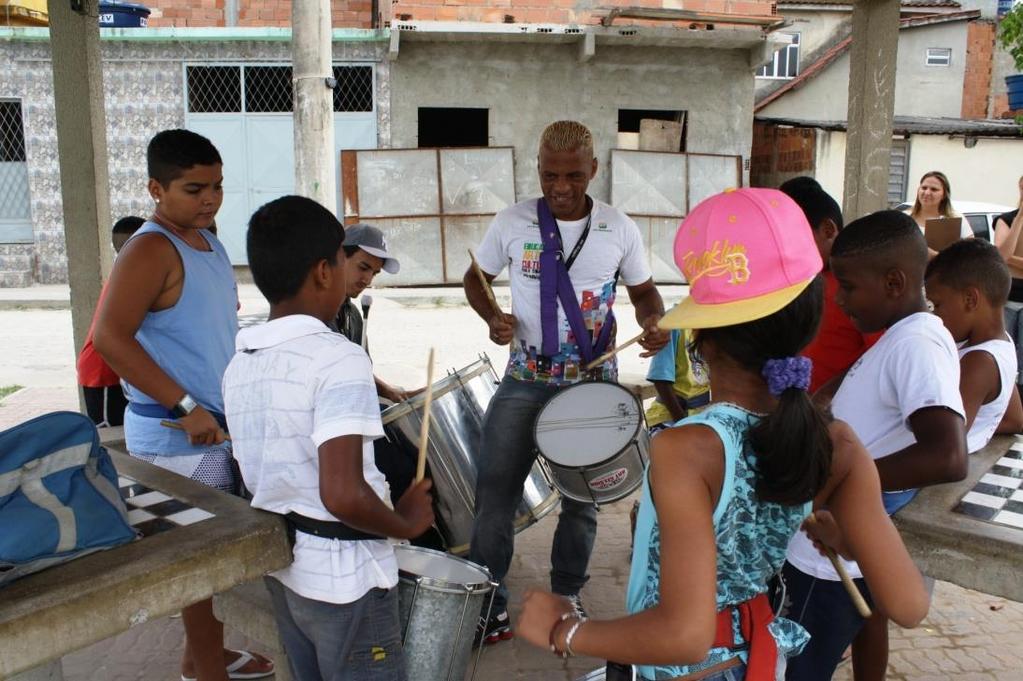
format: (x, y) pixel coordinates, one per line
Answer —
(302, 408)
(901, 398)
(599, 245)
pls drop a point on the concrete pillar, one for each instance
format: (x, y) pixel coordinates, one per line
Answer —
(82, 153)
(315, 175)
(872, 62)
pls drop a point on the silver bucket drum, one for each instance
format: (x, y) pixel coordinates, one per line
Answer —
(594, 441)
(459, 403)
(440, 598)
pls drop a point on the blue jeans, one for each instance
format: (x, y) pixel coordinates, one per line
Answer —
(507, 453)
(331, 642)
(823, 608)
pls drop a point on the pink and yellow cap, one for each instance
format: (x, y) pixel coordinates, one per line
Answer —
(746, 254)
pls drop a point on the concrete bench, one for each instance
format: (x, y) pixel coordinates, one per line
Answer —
(247, 609)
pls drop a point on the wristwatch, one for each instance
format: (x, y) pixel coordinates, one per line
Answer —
(185, 406)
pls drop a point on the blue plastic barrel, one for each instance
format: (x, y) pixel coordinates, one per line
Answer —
(1014, 85)
(123, 15)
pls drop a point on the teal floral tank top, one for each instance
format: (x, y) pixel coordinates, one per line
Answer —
(751, 540)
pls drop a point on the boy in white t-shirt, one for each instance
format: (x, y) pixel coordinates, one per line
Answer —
(302, 408)
(968, 285)
(900, 399)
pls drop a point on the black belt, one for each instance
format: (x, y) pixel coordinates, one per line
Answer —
(328, 529)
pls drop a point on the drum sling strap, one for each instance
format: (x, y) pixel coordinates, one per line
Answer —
(556, 285)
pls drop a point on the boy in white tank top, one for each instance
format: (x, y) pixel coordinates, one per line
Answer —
(968, 284)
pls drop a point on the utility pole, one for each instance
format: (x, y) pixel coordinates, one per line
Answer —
(872, 61)
(313, 79)
(82, 153)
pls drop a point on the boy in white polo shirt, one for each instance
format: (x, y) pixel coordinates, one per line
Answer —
(901, 398)
(301, 404)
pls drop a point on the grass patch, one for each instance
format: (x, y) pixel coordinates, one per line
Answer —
(6, 390)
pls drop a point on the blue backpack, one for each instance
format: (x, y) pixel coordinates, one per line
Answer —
(58, 495)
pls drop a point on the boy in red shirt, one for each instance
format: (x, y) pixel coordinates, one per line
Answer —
(104, 400)
(838, 343)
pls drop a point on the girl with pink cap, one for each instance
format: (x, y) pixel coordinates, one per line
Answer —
(726, 489)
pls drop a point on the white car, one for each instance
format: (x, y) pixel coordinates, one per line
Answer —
(980, 215)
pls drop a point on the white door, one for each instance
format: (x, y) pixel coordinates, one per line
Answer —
(258, 148)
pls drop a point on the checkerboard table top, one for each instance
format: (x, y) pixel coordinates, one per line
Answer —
(151, 512)
(998, 495)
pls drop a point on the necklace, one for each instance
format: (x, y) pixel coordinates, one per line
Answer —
(759, 414)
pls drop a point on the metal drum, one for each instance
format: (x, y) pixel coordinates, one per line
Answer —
(594, 441)
(440, 598)
(456, 424)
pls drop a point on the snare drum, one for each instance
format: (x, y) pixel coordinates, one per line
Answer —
(594, 441)
(440, 600)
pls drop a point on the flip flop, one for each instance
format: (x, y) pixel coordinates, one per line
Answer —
(233, 669)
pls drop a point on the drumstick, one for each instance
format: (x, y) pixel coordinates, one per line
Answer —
(850, 586)
(177, 426)
(484, 283)
(424, 431)
(611, 353)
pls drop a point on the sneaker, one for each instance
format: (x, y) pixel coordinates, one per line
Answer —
(496, 629)
(577, 605)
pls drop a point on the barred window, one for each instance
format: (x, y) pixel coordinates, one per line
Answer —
(268, 89)
(214, 89)
(354, 91)
(15, 214)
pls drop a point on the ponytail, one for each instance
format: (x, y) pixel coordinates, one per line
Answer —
(790, 447)
(792, 450)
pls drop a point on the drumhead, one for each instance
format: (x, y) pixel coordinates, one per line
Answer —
(587, 423)
(441, 569)
(441, 387)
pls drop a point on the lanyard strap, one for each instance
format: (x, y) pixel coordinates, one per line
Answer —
(578, 244)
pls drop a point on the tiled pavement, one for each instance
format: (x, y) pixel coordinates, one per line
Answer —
(967, 635)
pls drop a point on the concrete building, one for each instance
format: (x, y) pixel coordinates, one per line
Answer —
(948, 76)
(411, 75)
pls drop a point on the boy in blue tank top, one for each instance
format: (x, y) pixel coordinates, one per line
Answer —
(167, 327)
(726, 489)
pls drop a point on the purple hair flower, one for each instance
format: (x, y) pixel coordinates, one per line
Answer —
(789, 372)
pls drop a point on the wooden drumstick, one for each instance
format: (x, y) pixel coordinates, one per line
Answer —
(485, 284)
(611, 353)
(424, 431)
(850, 586)
(177, 426)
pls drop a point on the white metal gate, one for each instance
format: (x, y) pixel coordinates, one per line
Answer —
(245, 109)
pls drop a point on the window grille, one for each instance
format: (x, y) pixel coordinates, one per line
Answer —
(354, 91)
(14, 196)
(214, 89)
(268, 89)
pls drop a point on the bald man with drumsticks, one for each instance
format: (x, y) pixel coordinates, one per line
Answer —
(563, 279)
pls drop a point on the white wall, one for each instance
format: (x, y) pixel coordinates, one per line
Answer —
(920, 90)
(987, 172)
(830, 163)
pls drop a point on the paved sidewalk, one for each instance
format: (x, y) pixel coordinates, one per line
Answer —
(968, 635)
